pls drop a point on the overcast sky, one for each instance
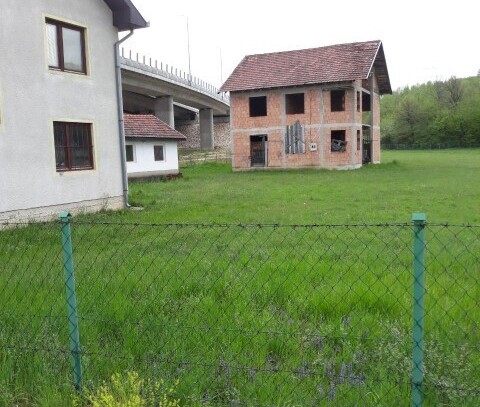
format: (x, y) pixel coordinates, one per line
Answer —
(423, 39)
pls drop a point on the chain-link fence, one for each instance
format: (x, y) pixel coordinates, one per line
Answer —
(233, 315)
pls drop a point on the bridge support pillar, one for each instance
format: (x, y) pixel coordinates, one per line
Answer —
(164, 110)
(206, 129)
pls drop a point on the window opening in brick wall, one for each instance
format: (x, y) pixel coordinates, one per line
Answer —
(295, 103)
(337, 100)
(359, 140)
(358, 102)
(338, 143)
(158, 153)
(258, 106)
(365, 102)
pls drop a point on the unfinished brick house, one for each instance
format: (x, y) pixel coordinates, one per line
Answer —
(317, 107)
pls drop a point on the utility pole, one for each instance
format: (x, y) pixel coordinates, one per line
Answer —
(221, 68)
(188, 48)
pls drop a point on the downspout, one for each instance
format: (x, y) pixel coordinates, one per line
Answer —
(121, 129)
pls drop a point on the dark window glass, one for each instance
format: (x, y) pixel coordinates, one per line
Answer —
(258, 106)
(337, 100)
(65, 46)
(158, 153)
(129, 153)
(295, 103)
(73, 146)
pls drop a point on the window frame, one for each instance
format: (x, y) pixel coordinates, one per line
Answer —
(60, 51)
(67, 147)
(163, 153)
(133, 153)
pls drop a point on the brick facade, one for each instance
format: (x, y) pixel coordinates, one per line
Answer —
(318, 121)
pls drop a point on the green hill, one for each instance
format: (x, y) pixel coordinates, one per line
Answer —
(435, 114)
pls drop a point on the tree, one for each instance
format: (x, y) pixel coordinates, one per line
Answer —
(454, 91)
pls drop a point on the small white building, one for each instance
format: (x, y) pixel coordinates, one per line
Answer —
(60, 139)
(150, 146)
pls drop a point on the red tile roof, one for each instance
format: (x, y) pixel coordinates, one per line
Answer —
(335, 63)
(148, 126)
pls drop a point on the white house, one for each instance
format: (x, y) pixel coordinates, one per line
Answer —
(60, 138)
(150, 146)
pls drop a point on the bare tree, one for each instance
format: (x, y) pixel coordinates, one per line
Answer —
(454, 91)
(438, 92)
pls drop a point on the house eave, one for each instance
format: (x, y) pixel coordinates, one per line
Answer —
(126, 17)
(153, 138)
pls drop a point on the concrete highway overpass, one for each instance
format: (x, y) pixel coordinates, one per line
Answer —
(169, 93)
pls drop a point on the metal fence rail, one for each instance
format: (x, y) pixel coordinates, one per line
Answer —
(244, 314)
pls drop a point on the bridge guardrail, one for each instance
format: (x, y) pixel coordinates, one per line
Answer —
(172, 74)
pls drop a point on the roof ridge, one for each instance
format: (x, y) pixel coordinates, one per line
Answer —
(312, 48)
(327, 64)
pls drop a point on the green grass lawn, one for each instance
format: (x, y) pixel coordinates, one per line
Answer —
(256, 315)
(444, 184)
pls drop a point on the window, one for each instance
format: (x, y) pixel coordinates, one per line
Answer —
(129, 153)
(158, 153)
(65, 47)
(258, 106)
(338, 143)
(365, 102)
(358, 101)
(73, 146)
(337, 100)
(295, 103)
(359, 141)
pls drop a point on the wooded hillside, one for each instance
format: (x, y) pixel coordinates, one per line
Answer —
(435, 114)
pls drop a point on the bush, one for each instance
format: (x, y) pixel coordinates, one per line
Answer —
(129, 390)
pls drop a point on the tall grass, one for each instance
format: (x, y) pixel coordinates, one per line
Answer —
(243, 315)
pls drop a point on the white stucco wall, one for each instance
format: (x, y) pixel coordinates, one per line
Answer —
(33, 97)
(144, 163)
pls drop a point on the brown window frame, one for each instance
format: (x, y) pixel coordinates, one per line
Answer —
(337, 102)
(155, 153)
(67, 146)
(61, 55)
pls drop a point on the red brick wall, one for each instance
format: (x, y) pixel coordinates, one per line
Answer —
(318, 121)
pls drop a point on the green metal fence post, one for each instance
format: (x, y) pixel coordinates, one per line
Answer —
(419, 222)
(71, 299)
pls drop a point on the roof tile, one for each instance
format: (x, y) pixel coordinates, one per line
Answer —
(148, 126)
(335, 63)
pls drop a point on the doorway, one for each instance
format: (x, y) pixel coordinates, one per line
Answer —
(367, 146)
(258, 151)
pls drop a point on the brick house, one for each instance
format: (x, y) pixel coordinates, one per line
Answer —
(316, 107)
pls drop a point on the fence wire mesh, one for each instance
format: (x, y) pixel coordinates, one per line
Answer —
(232, 315)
